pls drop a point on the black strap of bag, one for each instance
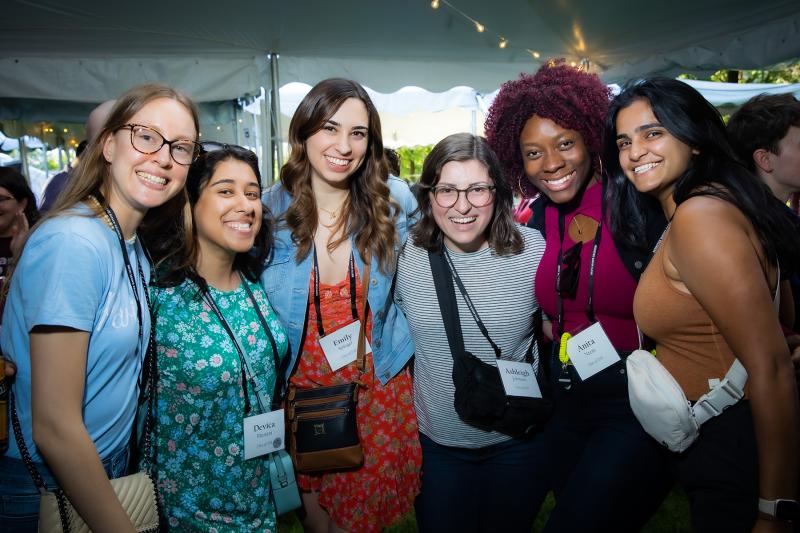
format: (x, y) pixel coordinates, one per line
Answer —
(444, 272)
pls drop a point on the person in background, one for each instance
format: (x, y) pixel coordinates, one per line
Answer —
(546, 128)
(393, 160)
(204, 395)
(471, 477)
(337, 207)
(18, 214)
(706, 298)
(765, 133)
(94, 124)
(77, 325)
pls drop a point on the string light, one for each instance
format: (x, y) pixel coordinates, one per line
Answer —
(502, 42)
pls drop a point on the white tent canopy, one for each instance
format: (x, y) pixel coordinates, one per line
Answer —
(92, 50)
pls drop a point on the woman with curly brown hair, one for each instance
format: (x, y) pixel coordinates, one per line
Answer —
(337, 209)
(607, 474)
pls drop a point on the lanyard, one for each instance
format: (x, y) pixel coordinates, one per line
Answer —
(317, 307)
(247, 374)
(590, 298)
(129, 269)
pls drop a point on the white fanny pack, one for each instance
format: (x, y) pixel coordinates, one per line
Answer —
(662, 408)
(660, 405)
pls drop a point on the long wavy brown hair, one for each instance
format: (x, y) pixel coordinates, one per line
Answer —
(369, 212)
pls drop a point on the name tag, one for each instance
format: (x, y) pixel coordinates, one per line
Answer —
(263, 434)
(591, 351)
(340, 346)
(519, 379)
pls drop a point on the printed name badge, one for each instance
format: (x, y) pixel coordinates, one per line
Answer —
(519, 379)
(340, 346)
(263, 434)
(591, 351)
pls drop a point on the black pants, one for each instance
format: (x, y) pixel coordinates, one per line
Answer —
(495, 488)
(608, 474)
(719, 473)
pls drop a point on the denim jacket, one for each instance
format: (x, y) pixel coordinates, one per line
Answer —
(286, 283)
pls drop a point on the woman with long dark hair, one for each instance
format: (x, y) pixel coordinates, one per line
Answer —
(706, 298)
(607, 474)
(18, 214)
(218, 346)
(337, 209)
(76, 320)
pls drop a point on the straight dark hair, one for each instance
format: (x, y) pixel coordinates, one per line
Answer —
(177, 254)
(503, 236)
(715, 171)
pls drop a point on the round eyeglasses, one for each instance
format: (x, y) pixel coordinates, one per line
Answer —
(478, 195)
(148, 141)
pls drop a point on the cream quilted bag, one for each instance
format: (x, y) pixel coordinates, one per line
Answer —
(136, 493)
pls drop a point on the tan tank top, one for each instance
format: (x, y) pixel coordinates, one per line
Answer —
(688, 343)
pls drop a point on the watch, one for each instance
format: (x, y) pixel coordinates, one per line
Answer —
(783, 510)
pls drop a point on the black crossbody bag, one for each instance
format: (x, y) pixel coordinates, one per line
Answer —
(480, 398)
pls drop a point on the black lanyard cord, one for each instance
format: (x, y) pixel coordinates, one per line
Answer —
(590, 299)
(247, 374)
(317, 306)
(470, 305)
(129, 269)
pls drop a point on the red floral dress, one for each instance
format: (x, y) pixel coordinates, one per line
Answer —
(383, 490)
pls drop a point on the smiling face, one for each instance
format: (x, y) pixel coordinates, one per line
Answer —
(464, 226)
(142, 181)
(10, 208)
(227, 215)
(555, 159)
(650, 156)
(338, 149)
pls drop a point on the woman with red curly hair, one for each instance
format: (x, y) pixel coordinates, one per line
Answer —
(607, 473)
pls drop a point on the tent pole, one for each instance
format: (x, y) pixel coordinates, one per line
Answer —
(275, 108)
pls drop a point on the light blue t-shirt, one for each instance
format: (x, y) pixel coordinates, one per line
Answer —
(72, 274)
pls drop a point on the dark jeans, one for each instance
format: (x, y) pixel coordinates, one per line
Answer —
(608, 474)
(19, 497)
(719, 472)
(495, 488)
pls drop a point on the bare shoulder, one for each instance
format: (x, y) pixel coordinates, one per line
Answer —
(707, 218)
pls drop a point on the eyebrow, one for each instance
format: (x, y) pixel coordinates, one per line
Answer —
(641, 128)
(333, 122)
(230, 180)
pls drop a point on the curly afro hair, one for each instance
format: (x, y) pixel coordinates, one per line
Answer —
(571, 98)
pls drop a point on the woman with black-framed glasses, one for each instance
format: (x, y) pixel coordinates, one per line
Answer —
(77, 322)
(607, 474)
(473, 476)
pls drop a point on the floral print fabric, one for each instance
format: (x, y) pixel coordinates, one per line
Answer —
(383, 490)
(203, 481)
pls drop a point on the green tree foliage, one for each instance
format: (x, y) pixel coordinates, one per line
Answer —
(789, 73)
(411, 158)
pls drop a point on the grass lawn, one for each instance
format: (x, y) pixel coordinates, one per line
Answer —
(672, 517)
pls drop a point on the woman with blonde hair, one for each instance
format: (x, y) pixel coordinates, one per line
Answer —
(338, 210)
(77, 322)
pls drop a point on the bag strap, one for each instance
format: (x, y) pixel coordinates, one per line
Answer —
(23, 449)
(362, 332)
(446, 294)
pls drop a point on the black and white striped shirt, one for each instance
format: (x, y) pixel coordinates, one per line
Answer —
(502, 289)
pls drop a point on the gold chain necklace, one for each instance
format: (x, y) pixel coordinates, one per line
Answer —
(103, 213)
(333, 214)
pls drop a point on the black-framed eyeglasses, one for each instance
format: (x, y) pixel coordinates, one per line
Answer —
(478, 195)
(146, 140)
(570, 270)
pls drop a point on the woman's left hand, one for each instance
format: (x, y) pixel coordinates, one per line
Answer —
(19, 230)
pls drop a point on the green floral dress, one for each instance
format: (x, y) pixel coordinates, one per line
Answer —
(203, 481)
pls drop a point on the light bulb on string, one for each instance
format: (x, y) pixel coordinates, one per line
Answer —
(435, 4)
(480, 27)
(503, 42)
